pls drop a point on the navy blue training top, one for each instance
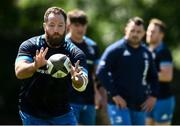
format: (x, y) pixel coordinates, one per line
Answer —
(89, 47)
(163, 56)
(42, 95)
(128, 72)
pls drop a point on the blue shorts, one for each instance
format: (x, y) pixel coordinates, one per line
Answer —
(85, 114)
(120, 116)
(66, 119)
(163, 110)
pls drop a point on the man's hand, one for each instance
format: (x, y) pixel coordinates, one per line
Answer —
(39, 59)
(100, 98)
(148, 105)
(120, 102)
(25, 69)
(79, 81)
(75, 73)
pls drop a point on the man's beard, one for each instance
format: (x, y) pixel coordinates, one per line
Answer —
(55, 41)
(134, 41)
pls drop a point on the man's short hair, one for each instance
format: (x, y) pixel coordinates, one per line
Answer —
(54, 10)
(136, 20)
(159, 23)
(77, 16)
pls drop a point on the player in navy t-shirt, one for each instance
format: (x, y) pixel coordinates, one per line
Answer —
(163, 111)
(43, 99)
(127, 71)
(83, 103)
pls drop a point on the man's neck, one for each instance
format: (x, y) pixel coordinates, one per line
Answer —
(152, 46)
(77, 39)
(53, 46)
(134, 45)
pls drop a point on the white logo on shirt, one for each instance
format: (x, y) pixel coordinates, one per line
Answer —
(126, 53)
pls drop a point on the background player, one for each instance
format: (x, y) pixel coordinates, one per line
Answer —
(83, 103)
(127, 71)
(163, 111)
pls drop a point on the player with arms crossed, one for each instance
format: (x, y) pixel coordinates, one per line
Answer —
(127, 71)
(43, 98)
(163, 111)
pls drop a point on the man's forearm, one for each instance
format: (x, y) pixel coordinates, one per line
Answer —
(24, 70)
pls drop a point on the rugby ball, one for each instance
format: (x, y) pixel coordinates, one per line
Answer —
(59, 65)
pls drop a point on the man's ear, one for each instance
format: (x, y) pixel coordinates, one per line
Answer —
(44, 25)
(67, 27)
(162, 35)
(125, 30)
